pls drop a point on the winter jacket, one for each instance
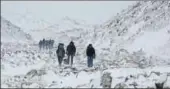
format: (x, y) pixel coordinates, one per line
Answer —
(90, 51)
(60, 51)
(71, 49)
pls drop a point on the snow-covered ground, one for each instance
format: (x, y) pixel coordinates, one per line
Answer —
(133, 46)
(45, 72)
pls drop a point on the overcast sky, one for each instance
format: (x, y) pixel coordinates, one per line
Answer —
(91, 11)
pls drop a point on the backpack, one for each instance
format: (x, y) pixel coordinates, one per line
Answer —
(60, 49)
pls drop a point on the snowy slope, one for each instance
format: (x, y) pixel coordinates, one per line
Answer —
(145, 25)
(125, 46)
(12, 33)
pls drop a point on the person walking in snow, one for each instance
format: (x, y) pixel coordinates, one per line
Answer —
(52, 43)
(43, 43)
(90, 52)
(71, 50)
(40, 44)
(46, 44)
(60, 53)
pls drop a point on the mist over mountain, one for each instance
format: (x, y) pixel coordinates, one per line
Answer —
(132, 46)
(12, 33)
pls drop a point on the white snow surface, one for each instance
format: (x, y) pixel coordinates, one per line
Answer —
(133, 46)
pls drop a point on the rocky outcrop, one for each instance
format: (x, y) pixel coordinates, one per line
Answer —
(106, 80)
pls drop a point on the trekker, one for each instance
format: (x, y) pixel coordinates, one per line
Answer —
(60, 53)
(46, 44)
(40, 44)
(71, 50)
(52, 43)
(43, 43)
(90, 52)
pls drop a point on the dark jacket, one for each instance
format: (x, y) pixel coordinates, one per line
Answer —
(90, 51)
(40, 43)
(43, 42)
(71, 49)
(60, 51)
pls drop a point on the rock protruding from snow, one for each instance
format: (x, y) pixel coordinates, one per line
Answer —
(106, 80)
(35, 72)
(160, 83)
(120, 86)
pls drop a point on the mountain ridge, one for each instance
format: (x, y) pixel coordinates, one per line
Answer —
(11, 32)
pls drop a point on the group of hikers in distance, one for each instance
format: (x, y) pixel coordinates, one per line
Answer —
(46, 44)
(71, 51)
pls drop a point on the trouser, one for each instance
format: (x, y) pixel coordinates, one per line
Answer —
(60, 60)
(71, 59)
(40, 47)
(43, 46)
(90, 61)
(50, 46)
(46, 46)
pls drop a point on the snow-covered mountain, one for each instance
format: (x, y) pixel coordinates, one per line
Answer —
(12, 33)
(133, 46)
(27, 21)
(145, 25)
(64, 30)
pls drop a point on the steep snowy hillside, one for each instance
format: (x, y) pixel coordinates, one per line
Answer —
(12, 33)
(145, 25)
